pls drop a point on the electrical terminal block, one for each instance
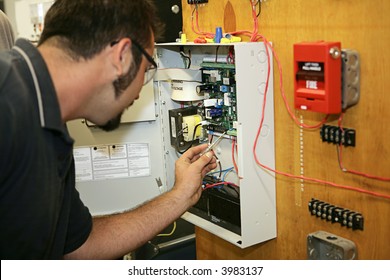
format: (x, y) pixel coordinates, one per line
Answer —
(336, 135)
(332, 213)
(197, 1)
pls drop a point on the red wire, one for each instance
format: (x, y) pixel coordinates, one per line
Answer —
(287, 174)
(285, 99)
(233, 158)
(234, 150)
(254, 36)
(199, 32)
(354, 171)
(219, 184)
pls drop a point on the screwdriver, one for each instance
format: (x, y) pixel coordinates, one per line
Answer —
(213, 145)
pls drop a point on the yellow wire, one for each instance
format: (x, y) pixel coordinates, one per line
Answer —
(169, 234)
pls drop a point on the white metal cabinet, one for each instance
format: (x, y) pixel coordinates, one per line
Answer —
(257, 186)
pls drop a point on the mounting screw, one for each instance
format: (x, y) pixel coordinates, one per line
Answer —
(175, 9)
(335, 52)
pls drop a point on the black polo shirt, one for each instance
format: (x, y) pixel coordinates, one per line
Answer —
(41, 214)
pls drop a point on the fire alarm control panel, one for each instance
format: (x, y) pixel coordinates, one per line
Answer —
(211, 93)
(317, 83)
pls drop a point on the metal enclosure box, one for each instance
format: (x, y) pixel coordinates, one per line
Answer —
(257, 200)
(322, 245)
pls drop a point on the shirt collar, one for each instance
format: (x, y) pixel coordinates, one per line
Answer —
(50, 109)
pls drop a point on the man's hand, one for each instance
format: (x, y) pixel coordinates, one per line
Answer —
(115, 235)
(190, 169)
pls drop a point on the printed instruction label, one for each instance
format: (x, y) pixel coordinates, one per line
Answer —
(103, 162)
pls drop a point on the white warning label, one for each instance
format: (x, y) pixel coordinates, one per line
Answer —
(103, 162)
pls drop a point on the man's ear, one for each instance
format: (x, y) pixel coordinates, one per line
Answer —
(123, 56)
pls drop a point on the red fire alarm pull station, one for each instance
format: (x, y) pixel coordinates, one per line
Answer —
(317, 68)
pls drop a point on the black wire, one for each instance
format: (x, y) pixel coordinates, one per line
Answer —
(179, 133)
(182, 53)
(195, 9)
(189, 58)
(258, 3)
(192, 142)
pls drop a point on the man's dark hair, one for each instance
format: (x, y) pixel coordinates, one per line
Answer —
(83, 28)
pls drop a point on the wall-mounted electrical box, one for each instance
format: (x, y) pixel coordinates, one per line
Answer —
(317, 83)
(200, 93)
(350, 77)
(322, 245)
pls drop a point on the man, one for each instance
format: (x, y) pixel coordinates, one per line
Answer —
(6, 33)
(91, 62)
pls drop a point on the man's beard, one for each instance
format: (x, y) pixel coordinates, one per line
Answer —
(120, 85)
(112, 124)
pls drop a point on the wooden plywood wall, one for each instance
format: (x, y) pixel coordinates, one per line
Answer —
(360, 25)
